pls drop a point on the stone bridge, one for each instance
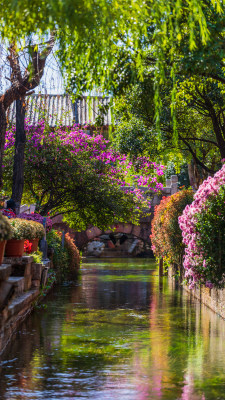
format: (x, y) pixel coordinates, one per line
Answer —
(141, 231)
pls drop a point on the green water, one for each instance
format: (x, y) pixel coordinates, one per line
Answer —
(122, 333)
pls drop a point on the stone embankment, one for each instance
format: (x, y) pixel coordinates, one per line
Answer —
(213, 298)
(22, 282)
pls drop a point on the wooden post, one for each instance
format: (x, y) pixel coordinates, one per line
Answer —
(161, 267)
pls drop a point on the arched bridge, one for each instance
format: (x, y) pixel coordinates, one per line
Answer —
(141, 231)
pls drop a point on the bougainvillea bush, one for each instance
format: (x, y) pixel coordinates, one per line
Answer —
(79, 176)
(203, 229)
(166, 234)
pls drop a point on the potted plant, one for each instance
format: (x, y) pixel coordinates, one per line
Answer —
(21, 230)
(38, 233)
(5, 234)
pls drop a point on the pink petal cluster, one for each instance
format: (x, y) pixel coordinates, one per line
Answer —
(193, 253)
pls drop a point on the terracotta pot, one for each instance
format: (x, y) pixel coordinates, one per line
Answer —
(34, 245)
(2, 250)
(14, 248)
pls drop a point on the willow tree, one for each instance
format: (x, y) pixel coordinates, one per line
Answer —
(90, 35)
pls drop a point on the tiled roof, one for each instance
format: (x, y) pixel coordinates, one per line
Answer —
(60, 109)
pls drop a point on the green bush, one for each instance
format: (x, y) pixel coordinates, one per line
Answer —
(65, 259)
(210, 229)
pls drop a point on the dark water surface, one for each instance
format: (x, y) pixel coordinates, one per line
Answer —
(119, 333)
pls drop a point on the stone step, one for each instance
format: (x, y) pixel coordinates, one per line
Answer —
(18, 282)
(6, 293)
(20, 302)
(5, 271)
(18, 260)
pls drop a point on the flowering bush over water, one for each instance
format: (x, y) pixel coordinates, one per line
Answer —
(71, 173)
(98, 150)
(166, 235)
(203, 230)
(157, 235)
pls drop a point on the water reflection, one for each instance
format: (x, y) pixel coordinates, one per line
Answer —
(121, 332)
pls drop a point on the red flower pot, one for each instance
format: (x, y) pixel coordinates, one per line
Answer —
(34, 245)
(14, 248)
(2, 250)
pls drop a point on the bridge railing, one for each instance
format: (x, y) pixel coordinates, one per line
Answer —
(170, 188)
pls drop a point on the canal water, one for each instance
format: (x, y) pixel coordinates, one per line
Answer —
(120, 333)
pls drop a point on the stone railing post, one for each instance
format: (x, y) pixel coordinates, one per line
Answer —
(174, 184)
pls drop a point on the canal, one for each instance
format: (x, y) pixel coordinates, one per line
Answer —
(120, 333)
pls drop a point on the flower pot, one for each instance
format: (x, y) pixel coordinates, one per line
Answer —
(2, 250)
(34, 245)
(14, 248)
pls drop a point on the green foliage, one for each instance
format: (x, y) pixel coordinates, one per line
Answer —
(65, 259)
(110, 28)
(211, 239)
(133, 138)
(197, 137)
(37, 256)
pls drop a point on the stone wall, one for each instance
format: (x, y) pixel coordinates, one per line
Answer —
(21, 284)
(212, 298)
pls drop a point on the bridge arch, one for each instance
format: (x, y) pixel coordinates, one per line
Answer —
(141, 231)
(82, 238)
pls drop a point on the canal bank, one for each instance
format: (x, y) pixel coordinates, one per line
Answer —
(23, 284)
(213, 298)
(119, 332)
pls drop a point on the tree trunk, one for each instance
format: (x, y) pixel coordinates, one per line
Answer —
(3, 124)
(18, 166)
(219, 132)
(191, 175)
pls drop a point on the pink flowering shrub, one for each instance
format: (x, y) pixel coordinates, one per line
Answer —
(79, 176)
(203, 230)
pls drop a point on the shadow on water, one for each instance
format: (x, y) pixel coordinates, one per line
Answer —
(119, 332)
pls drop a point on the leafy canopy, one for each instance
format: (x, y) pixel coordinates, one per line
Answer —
(92, 34)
